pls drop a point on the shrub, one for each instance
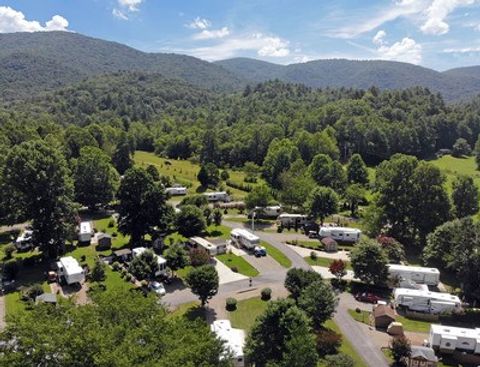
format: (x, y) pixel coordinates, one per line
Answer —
(339, 360)
(116, 266)
(123, 272)
(128, 277)
(32, 292)
(279, 229)
(98, 271)
(234, 269)
(9, 250)
(328, 342)
(111, 223)
(313, 255)
(114, 234)
(224, 175)
(266, 294)
(83, 258)
(239, 186)
(199, 257)
(231, 304)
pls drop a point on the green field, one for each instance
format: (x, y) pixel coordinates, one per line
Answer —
(238, 262)
(277, 255)
(452, 167)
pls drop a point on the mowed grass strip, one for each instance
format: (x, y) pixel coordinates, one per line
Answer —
(246, 312)
(324, 262)
(277, 255)
(242, 266)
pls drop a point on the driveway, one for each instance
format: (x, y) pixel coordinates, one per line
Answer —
(305, 252)
(226, 275)
(325, 273)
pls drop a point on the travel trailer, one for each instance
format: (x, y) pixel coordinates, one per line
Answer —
(292, 220)
(448, 339)
(162, 263)
(417, 274)
(234, 340)
(212, 248)
(70, 270)
(425, 301)
(175, 191)
(85, 232)
(266, 212)
(243, 238)
(217, 196)
(341, 234)
(24, 241)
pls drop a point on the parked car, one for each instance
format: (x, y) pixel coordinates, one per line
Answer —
(259, 251)
(312, 234)
(52, 277)
(367, 297)
(158, 288)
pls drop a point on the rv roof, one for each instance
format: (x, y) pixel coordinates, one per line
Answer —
(216, 193)
(234, 338)
(247, 234)
(286, 215)
(423, 293)
(70, 265)
(417, 269)
(202, 242)
(343, 229)
(455, 331)
(85, 227)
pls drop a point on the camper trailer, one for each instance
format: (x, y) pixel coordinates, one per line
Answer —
(162, 263)
(292, 220)
(234, 340)
(417, 274)
(176, 191)
(266, 212)
(24, 241)
(212, 248)
(243, 238)
(448, 339)
(341, 234)
(425, 301)
(70, 270)
(85, 232)
(217, 196)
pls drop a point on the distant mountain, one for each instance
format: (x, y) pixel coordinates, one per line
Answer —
(35, 62)
(453, 85)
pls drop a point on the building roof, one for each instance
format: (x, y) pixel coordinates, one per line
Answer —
(234, 338)
(215, 193)
(245, 233)
(202, 242)
(340, 229)
(416, 269)
(425, 353)
(327, 241)
(384, 310)
(455, 332)
(140, 250)
(85, 227)
(47, 298)
(122, 252)
(287, 215)
(437, 296)
(103, 235)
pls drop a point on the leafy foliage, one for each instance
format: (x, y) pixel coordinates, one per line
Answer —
(203, 281)
(298, 279)
(369, 262)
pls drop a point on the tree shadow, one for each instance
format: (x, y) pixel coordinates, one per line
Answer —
(201, 189)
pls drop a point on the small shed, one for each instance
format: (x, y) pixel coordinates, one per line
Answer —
(422, 357)
(46, 298)
(104, 241)
(383, 315)
(329, 244)
(123, 255)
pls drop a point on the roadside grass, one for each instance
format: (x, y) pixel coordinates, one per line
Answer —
(190, 310)
(238, 262)
(277, 255)
(418, 326)
(324, 262)
(243, 317)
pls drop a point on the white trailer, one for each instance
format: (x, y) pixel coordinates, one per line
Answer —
(70, 270)
(417, 274)
(234, 340)
(292, 220)
(243, 238)
(162, 263)
(212, 248)
(24, 240)
(448, 339)
(425, 301)
(176, 191)
(85, 232)
(217, 196)
(266, 211)
(341, 234)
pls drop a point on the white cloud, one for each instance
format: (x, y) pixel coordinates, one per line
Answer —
(130, 5)
(406, 50)
(477, 27)
(212, 34)
(437, 13)
(379, 38)
(464, 50)
(12, 20)
(117, 13)
(199, 23)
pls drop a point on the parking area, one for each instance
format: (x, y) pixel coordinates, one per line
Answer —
(304, 252)
(226, 275)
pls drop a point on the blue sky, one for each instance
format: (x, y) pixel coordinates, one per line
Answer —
(439, 34)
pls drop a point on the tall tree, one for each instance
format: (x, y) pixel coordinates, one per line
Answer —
(203, 281)
(96, 180)
(259, 196)
(298, 279)
(464, 196)
(209, 175)
(476, 151)
(318, 301)
(281, 154)
(369, 262)
(75, 139)
(190, 221)
(322, 202)
(357, 172)
(37, 177)
(176, 257)
(122, 156)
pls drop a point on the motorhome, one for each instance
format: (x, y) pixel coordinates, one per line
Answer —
(24, 241)
(234, 340)
(85, 232)
(217, 196)
(447, 339)
(292, 220)
(417, 274)
(341, 234)
(243, 238)
(176, 191)
(213, 249)
(70, 270)
(162, 263)
(266, 212)
(422, 300)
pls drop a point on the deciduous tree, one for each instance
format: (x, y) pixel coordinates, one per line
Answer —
(369, 262)
(203, 281)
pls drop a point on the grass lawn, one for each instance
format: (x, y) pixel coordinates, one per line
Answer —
(452, 167)
(13, 303)
(190, 310)
(220, 231)
(119, 240)
(182, 273)
(246, 313)
(418, 326)
(277, 255)
(238, 262)
(324, 262)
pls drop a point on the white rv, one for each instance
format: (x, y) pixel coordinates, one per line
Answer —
(243, 238)
(234, 340)
(417, 274)
(217, 196)
(266, 211)
(24, 240)
(449, 339)
(212, 248)
(85, 232)
(425, 301)
(162, 263)
(70, 270)
(292, 220)
(175, 191)
(341, 234)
